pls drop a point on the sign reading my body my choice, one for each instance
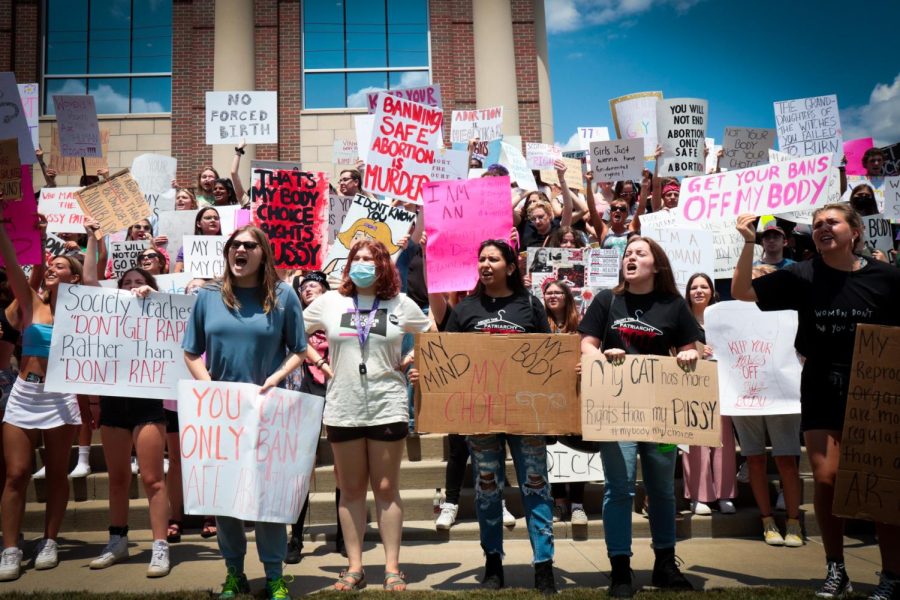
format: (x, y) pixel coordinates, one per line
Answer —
(233, 116)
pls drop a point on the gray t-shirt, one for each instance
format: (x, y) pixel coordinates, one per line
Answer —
(244, 345)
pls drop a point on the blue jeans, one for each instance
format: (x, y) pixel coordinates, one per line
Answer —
(529, 453)
(271, 545)
(619, 466)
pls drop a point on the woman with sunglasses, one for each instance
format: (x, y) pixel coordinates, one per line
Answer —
(539, 222)
(207, 222)
(250, 327)
(142, 230)
(615, 234)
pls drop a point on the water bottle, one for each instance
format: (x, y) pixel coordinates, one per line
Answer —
(436, 502)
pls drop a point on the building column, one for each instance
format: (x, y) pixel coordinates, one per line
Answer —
(495, 60)
(543, 69)
(234, 70)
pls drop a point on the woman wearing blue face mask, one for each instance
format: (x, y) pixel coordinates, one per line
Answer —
(366, 408)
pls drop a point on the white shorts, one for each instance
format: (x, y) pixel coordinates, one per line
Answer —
(30, 407)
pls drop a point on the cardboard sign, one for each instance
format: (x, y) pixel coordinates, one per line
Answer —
(892, 198)
(689, 250)
(290, 207)
(764, 190)
(617, 160)
(246, 455)
(485, 124)
(809, 126)
(372, 220)
(891, 159)
(565, 465)
(28, 94)
(634, 116)
(877, 233)
(511, 157)
(868, 484)
(204, 255)
(404, 141)
(20, 222)
(853, 152)
(758, 367)
(574, 175)
(10, 170)
(746, 147)
(113, 343)
(459, 215)
(79, 132)
(345, 153)
(649, 399)
(450, 164)
(541, 156)
(586, 135)
(124, 254)
(681, 127)
(603, 268)
(14, 123)
(364, 125)
(476, 383)
(116, 203)
(430, 95)
(235, 116)
(71, 165)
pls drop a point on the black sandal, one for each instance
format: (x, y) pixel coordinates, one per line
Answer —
(173, 535)
(209, 528)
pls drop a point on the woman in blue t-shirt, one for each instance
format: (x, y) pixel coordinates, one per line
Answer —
(250, 326)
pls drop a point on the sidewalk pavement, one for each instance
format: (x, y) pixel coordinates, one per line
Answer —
(448, 566)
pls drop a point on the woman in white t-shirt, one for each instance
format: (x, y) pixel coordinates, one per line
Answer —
(366, 407)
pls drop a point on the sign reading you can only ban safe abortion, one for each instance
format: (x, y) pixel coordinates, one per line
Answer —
(476, 383)
(649, 399)
(110, 342)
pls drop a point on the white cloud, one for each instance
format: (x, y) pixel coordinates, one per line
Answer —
(571, 144)
(569, 15)
(108, 101)
(879, 119)
(410, 79)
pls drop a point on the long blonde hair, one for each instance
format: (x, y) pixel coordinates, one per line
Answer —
(267, 278)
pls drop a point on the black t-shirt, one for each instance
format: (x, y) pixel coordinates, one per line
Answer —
(529, 236)
(519, 313)
(416, 289)
(640, 323)
(830, 303)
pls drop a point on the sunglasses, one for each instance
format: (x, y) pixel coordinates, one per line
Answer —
(141, 227)
(241, 244)
(618, 209)
(149, 256)
(863, 197)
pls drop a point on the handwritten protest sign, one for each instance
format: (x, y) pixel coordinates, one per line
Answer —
(868, 485)
(853, 152)
(79, 132)
(116, 203)
(173, 283)
(586, 135)
(338, 206)
(475, 383)
(832, 192)
(19, 220)
(71, 165)
(892, 198)
(28, 94)
(484, 123)
(565, 465)
(541, 156)
(763, 190)
(602, 268)
(290, 207)
(511, 157)
(124, 254)
(689, 250)
(404, 141)
(246, 455)
(233, 116)
(154, 174)
(746, 147)
(10, 170)
(449, 164)
(681, 127)
(809, 126)
(634, 116)
(617, 159)
(877, 234)
(345, 152)
(649, 399)
(483, 205)
(111, 342)
(56, 246)
(891, 159)
(369, 219)
(573, 176)
(204, 255)
(759, 370)
(14, 123)
(429, 95)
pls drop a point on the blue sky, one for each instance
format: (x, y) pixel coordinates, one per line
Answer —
(741, 55)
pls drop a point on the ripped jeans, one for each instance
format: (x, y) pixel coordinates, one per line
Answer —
(529, 453)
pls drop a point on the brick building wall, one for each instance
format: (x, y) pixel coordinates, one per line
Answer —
(526, 70)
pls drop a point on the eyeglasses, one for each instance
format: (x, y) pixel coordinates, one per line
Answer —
(210, 217)
(613, 209)
(553, 294)
(242, 244)
(150, 256)
(346, 179)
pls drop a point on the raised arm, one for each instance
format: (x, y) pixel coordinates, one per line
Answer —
(595, 219)
(18, 282)
(656, 199)
(91, 264)
(235, 167)
(742, 281)
(635, 224)
(565, 220)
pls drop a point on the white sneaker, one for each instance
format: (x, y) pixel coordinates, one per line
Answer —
(779, 504)
(46, 555)
(743, 474)
(80, 470)
(116, 550)
(159, 562)
(40, 474)
(10, 564)
(508, 519)
(700, 508)
(579, 517)
(134, 465)
(726, 507)
(447, 517)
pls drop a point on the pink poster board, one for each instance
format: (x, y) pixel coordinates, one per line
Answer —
(20, 220)
(853, 151)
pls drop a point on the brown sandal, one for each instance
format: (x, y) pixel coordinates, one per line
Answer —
(209, 528)
(351, 581)
(394, 582)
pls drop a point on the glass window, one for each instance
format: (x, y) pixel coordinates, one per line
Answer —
(355, 47)
(119, 51)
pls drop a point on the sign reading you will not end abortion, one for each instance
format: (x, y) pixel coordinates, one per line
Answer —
(649, 399)
(681, 127)
(475, 383)
(233, 116)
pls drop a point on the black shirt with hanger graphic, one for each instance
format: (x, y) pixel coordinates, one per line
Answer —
(519, 313)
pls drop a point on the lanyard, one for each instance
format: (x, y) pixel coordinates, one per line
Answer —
(362, 332)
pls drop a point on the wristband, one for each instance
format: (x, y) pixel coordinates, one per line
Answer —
(238, 151)
(319, 363)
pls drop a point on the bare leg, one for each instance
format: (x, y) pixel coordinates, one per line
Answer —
(57, 447)
(384, 473)
(150, 441)
(824, 448)
(353, 473)
(18, 448)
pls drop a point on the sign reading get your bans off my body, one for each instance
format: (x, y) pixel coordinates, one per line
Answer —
(481, 383)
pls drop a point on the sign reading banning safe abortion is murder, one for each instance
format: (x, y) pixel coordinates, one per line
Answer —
(246, 455)
(649, 399)
(477, 383)
(868, 484)
(233, 116)
(111, 342)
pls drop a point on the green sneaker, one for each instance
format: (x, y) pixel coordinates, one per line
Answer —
(277, 589)
(234, 584)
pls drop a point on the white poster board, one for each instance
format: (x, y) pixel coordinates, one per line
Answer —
(565, 465)
(689, 250)
(154, 174)
(203, 255)
(79, 132)
(511, 158)
(263, 455)
(634, 116)
(345, 153)
(14, 123)
(810, 126)
(28, 94)
(602, 268)
(234, 116)
(429, 95)
(109, 342)
(586, 135)
(60, 206)
(124, 254)
(617, 159)
(746, 147)
(832, 192)
(450, 164)
(892, 198)
(681, 127)
(877, 234)
(483, 123)
(541, 156)
(363, 124)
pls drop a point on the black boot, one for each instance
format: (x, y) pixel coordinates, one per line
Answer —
(543, 578)
(339, 535)
(666, 573)
(620, 578)
(493, 572)
(295, 542)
